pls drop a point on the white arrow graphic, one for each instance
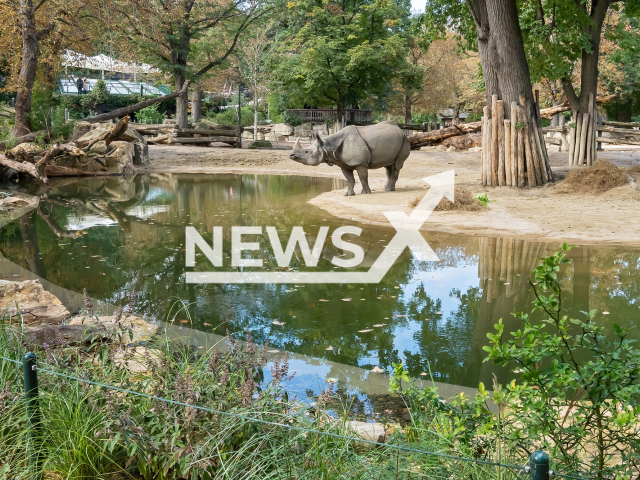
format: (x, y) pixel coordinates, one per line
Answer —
(407, 235)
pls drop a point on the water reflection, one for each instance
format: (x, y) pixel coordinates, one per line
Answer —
(113, 235)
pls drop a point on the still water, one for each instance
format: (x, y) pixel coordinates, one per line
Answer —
(115, 235)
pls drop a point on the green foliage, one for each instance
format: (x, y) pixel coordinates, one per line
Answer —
(230, 117)
(578, 385)
(290, 119)
(484, 199)
(398, 376)
(420, 118)
(150, 114)
(339, 54)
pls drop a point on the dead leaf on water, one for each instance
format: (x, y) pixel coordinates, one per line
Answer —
(207, 324)
(323, 300)
(605, 313)
(346, 299)
(423, 373)
(184, 321)
(273, 351)
(365, 331)
(377, 369)
(377, 325)
(438, 313)
(329, 348)
(275, 322)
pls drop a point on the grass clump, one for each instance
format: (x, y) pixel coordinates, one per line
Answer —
(464, 201)
(600, 177)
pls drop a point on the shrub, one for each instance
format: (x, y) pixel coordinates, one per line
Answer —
(230, 117)
(290, 119)
(150, 114)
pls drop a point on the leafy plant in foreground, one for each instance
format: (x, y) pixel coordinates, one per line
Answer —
(578, 387)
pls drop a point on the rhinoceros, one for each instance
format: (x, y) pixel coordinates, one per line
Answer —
(359, 149)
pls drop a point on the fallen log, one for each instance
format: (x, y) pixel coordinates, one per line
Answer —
(58, 171)
(112, 134)
(24, 167)
(550, 112)
(121, 112)
(158, 139)
(553, 141)
(197, 131)
(621, 124)
(619, 131)
(202, 139)
(617, 141)
(436, 136)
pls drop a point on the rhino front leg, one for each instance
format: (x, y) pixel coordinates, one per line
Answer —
(389, 173)
(348, 174)
(363, 173)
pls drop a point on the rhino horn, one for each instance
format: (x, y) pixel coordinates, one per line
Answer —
(296, 146)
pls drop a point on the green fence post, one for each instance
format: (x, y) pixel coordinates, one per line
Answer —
(33, 413)
(539, 466)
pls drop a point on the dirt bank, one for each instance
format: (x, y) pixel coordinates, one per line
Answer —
(545, 213)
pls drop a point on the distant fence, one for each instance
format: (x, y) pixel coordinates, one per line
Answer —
(537, 469)
(321, 115)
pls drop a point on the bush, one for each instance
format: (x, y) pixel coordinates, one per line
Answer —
(290, 119)
(150, 114)
(230, 117)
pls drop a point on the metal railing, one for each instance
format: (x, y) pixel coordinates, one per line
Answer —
(538, 467)
(319, 115)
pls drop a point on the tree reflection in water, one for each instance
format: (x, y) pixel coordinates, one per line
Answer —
(112, 235)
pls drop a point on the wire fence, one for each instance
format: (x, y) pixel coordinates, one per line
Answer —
(537, 469)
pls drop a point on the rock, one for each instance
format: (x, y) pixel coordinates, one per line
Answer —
(373, 432)
(440, 148)
(169, 121)
(142, 330)
(140, 146)
(80, 129)
(120, 160)
(34, 303)
(94, 134)
(475, 149)
(248, 135)
(282, 129)
(261, 144)
(451, 149)
(303, 130)
(100, 147)
(24, 150)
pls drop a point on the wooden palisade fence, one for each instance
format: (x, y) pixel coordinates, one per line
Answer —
(170, 133)
(513, 150)
(582, 136)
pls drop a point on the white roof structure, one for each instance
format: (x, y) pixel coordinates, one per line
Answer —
(103, 62)
(114, 87)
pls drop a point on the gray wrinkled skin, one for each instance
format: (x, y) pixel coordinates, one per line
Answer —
(359, 149)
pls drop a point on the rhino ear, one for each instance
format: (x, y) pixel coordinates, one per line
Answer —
(318, 139)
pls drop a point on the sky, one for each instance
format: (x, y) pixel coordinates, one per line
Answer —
(418, 5)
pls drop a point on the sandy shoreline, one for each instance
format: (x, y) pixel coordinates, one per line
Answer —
(544, 213)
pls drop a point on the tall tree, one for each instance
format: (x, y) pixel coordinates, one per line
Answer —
(340, 53)
(166, 33)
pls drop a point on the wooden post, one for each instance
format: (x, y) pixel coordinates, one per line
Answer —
(598, 133)
(572, 138)
(483, 160)
(239, 141)
(535, 152)
(489, 165)
(486, 145)
(531, 170)
(501, 157)
(521, 148)
(507, 152)
(545, 166)
(495, 152)
(576, 147)
(590, 132)
(514, 144)
(583, 138)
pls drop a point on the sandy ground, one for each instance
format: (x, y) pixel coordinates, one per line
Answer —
(543, 213)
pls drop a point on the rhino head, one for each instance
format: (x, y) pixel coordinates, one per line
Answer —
(313, 155)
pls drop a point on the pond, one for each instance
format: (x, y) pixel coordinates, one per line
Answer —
(115, 235)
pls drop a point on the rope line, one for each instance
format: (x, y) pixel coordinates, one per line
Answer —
(281, 425)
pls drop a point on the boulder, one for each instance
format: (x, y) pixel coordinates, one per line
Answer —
(282, 129)
(140, 146)
(142, 330)
(100, 147)
(79, 130)
(120, 159)
(373, 432)
(94, 134)
(303, 130)
(34, 303)
(24, 151)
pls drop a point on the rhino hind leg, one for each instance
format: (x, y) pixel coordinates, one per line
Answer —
(363, 173)
(348, 174)
(393, 171)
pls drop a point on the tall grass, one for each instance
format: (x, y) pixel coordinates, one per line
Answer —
(90, 432)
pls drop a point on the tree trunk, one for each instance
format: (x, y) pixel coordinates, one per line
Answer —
(408, 119)
(341, 110)
(28, 67)
(478, 9)
(255, 111)
(196, 104)
(182, 102)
